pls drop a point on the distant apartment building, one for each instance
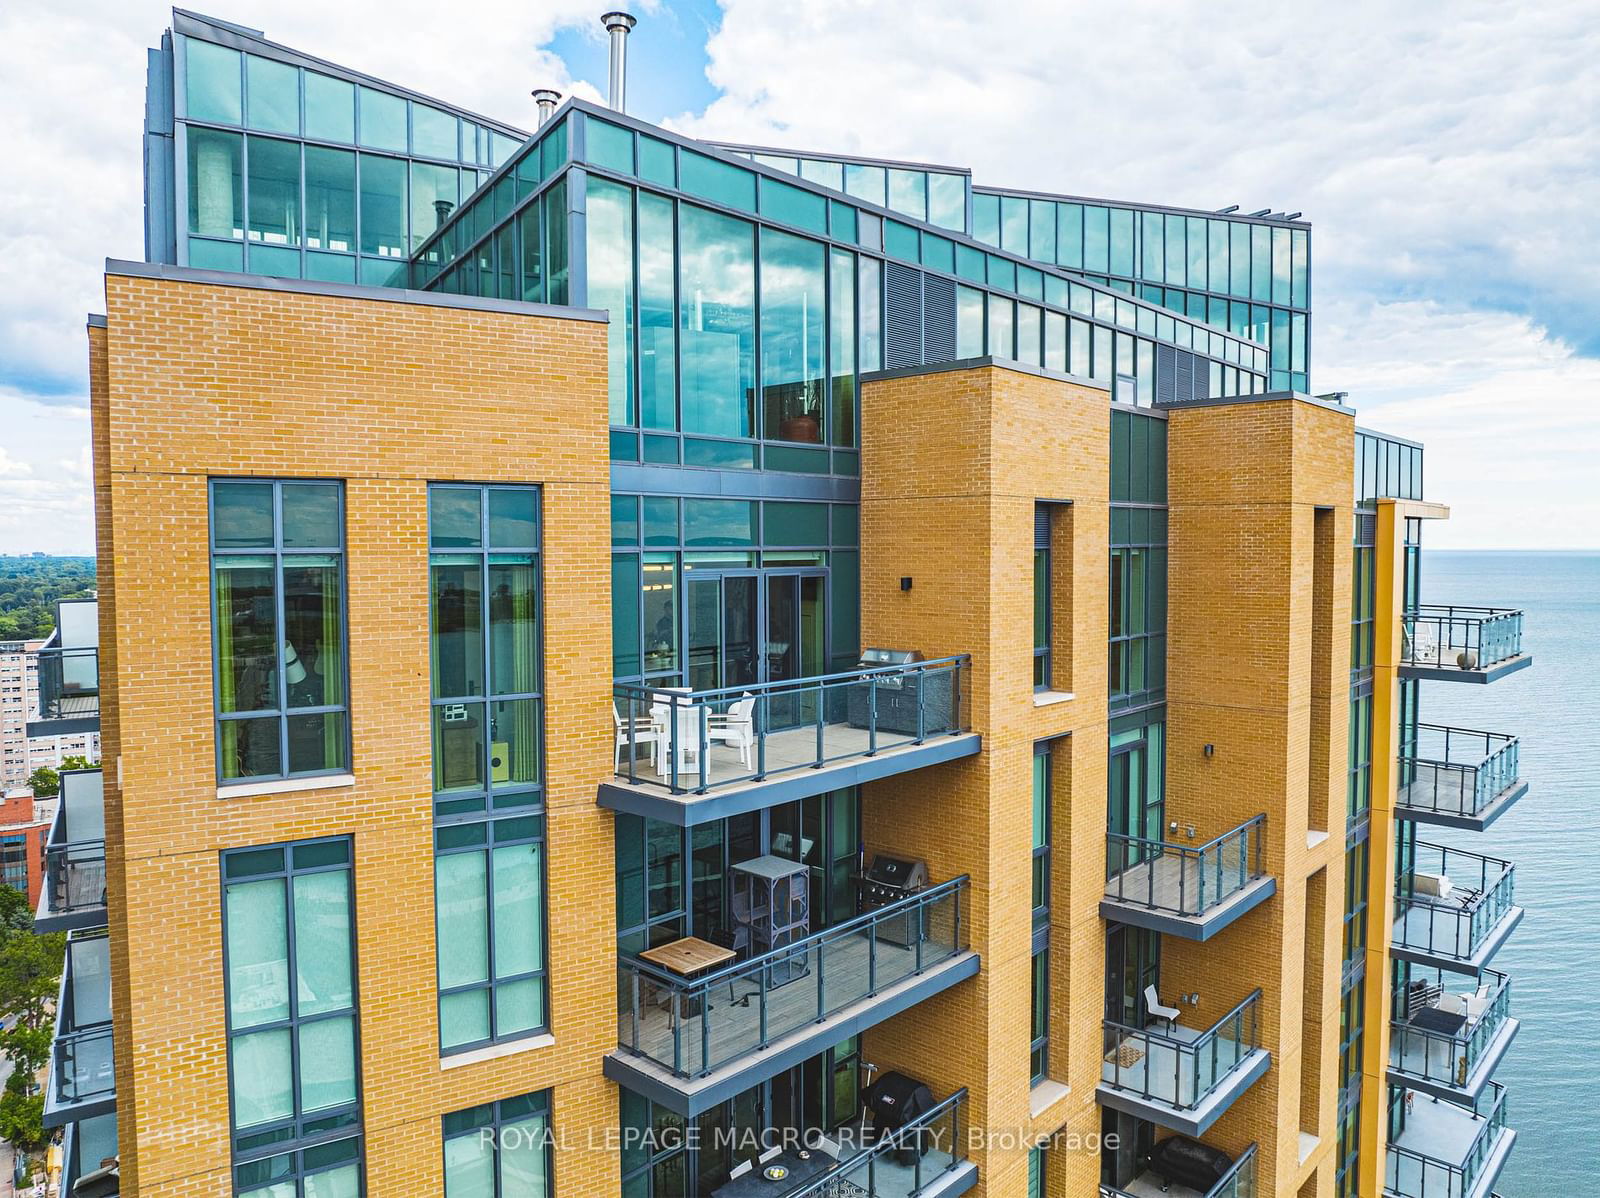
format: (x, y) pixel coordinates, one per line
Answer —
(24, 823)
(22, 752)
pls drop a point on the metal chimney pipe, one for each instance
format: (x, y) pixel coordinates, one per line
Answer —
(617, 25)
(546, 98)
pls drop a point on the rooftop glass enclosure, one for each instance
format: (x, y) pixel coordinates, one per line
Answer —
(746, 301)
(269, 161)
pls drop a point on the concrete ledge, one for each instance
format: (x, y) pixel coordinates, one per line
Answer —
(281, 786)
(1497, 807)
(1196, 927)
(358, 291)
(906, 372)
(1455, 674)
(494, 1052)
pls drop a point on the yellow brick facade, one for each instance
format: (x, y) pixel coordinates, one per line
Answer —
(1258, 668)
(192, 381)
(953, 463)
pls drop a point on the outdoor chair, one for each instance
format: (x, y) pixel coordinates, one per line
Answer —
(1152, 1004)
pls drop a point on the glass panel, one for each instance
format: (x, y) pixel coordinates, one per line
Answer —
(258, 953)
(464, 1017)
(211, 86)
(908, 193)
(514, 742)
(969, 323)
(263, 1085)
(842, 347)
(327, 1063)
(311, 516)
(720, 182)
(947, 200)
(433, 198)
(657, 331)
(469, 1167)
(330, 199)
(322, 942)
(273, 89)
(785, 204)
(793, 336)
(524, 1159)
(458, 747)
(313, 649)
(518, 909)
(1001, 333)
(460, 888)
(457, 627)
(216, 192)
(717, 322)
(455, 517)
(513, 626)
(870, 278)
(383, 120)
(610, 229)
(383, 205)
(433, 133)
(330, 108)
(868, 183)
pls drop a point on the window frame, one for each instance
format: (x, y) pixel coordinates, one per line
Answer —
(345, 1122)
(282, 712)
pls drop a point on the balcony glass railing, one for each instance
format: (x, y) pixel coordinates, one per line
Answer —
(1457, 771)
(83, 1066)
(75, 875)
(1238, 1182)
(1452, 901)
(1185, 880)
(900, 1165)
(1442, 1150)
(81, 1048)
(696, 741)
(1180, 1068)
(69, 684)
(1460, 638)
(1445, 1023)
(695, 1026)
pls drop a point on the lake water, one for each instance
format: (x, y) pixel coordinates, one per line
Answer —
(1553, 837)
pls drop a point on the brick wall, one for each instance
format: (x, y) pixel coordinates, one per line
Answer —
(191, 380)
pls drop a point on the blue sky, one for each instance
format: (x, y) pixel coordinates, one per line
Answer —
(1444, 153)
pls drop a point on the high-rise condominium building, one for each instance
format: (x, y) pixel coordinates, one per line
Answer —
(637, 666)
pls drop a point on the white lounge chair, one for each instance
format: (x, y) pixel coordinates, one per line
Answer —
(639, 731)
(1152, 1004)
(740, 1169)
(736, 728)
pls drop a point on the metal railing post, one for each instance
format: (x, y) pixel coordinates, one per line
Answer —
(822, 698)
(921, 706)
(872, 715)
(702, 723)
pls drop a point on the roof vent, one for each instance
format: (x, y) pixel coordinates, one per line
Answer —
(617, 25)
(546, 98)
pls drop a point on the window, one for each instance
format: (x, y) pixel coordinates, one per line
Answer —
(793, 335)
(1041, 596)
(211, 79)
(500, 1149)
(716, 322)
(216, 183)
(289, 967)
(1041, 832)
(489, 868)
(277, 576)
(1039, 1007)
(610, 240)
(1036, 1173)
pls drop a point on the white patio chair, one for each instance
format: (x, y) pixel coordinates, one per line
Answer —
(1152, 1004)
(736, 728)
(682, 742)
(641, 731)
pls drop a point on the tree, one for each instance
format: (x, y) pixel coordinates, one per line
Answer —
(15, 914)
(45, 782)
(30, 976)
(74, 762)
(22, 1117)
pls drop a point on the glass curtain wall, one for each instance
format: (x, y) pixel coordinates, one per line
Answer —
(1137, 595)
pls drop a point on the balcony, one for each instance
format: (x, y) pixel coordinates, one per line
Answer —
(1181, 1078)
(82, 1082)
(1459, 777)
(1450, 1033)
(69, 692)
(1461, 644)
(1454, 909)
(924, 1159)
(74, 892)
(1240, 1182)
(689, 1044)
(692, 757)
(1447, 1151)
(1193, 891)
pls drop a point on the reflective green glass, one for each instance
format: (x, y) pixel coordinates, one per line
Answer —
(1002, 322)
(657, 161)
(1261, 262)
(986, 218)
(947, 201)
(272, 91)
(216, 183)
(211, 83)
(829, 174)
(609, 146)
(1096, 239)
(793, 205)
(793, 335)
(1014, 224)
(1069, 235)
(795, 523)
(433, 133)
(330, 199)
(720, 182)
(274, 179)
(716, 322)
(610, 249)
(330, 108)
(908, 193)
(842, 348)
(310, 516)
(1041, 231)
(1238, 258)
(869, 277)
(868, 183)
(901, 241)
(383, 120)
(712, 522)
(657, 327)
(969, 323)
(1029, 332)
(1121, 241)
(433, 198)
(383, 206)
(625, 596)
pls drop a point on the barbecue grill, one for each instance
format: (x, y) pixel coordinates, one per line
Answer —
(893, 1101)
(887, 880)
(896, 695)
